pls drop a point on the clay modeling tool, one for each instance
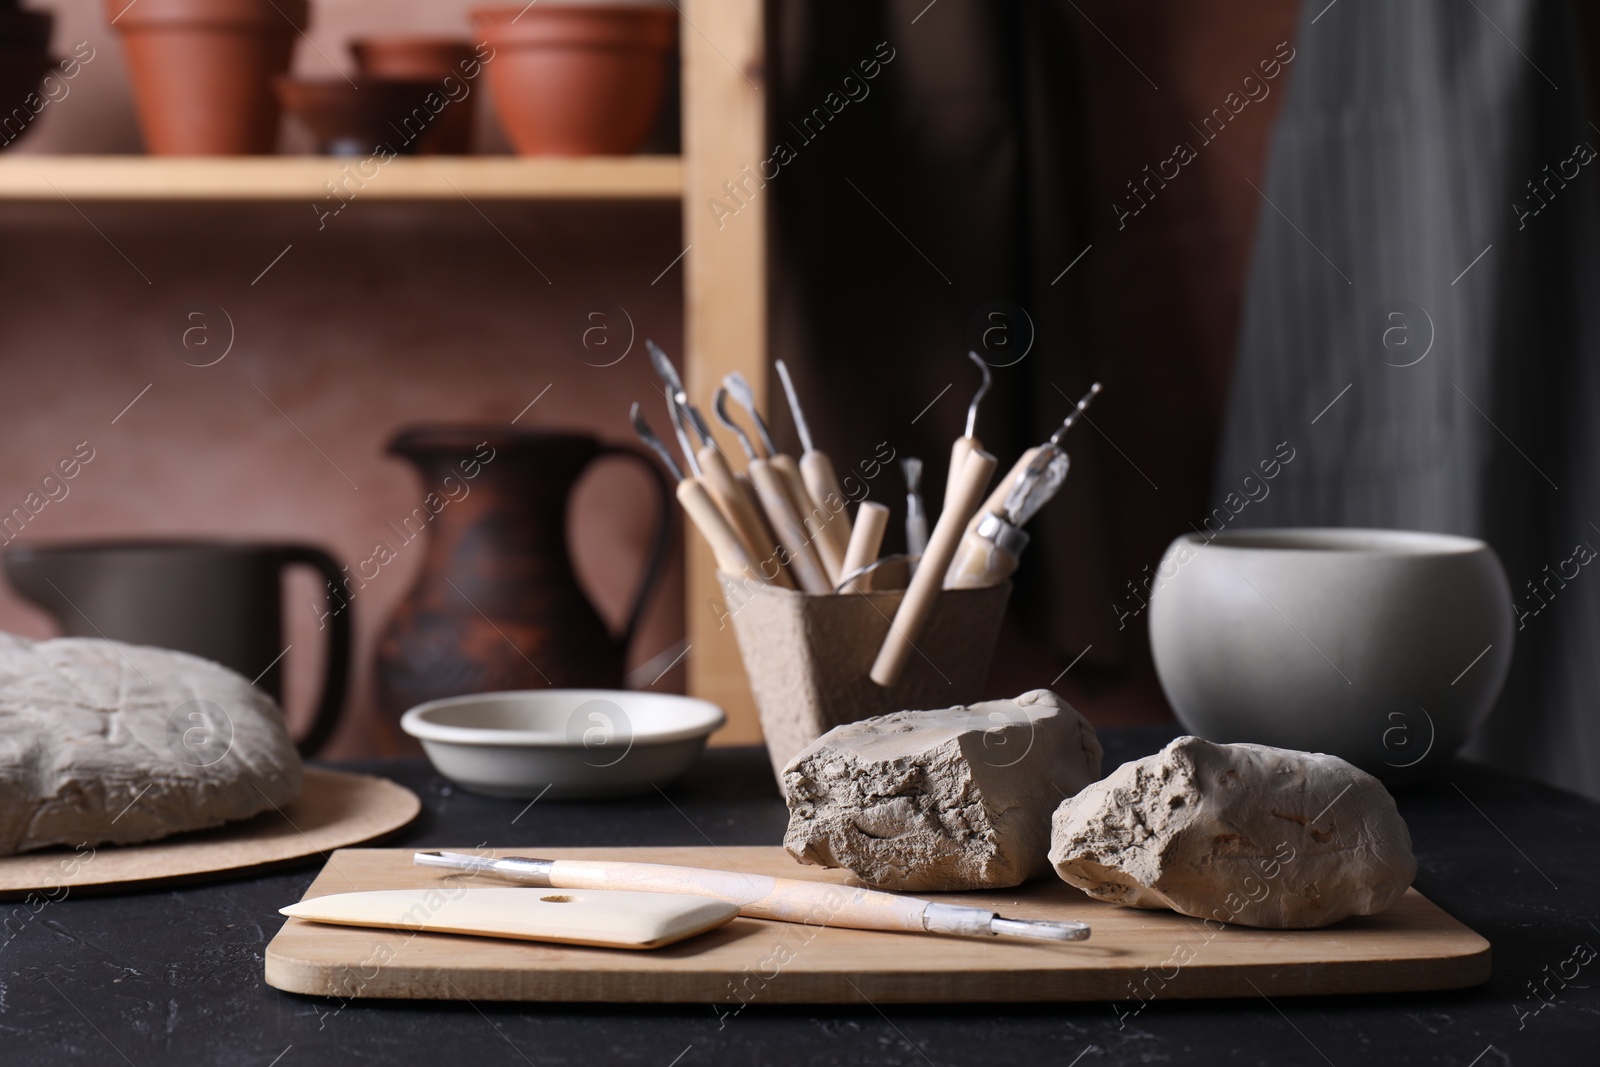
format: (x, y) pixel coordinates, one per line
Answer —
(736, 503)
(866, 538)
(997, 499)
(811, 514)
(765, 897)
(778, 497)
(816, 470)
(732, 555)
(719, 405)
(591, 917)
(916, 511)
(967, 441)
(912, 615)
(994, 539)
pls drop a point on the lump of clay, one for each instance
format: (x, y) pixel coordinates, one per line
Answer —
(103, 742)
(1243, 834)
(935, 800)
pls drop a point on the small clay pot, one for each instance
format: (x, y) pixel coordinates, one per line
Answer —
(354, 119)
(441, 61)
(577, 80)
(202, 71)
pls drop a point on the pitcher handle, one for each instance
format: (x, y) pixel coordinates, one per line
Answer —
(336, 670)
(658, 552)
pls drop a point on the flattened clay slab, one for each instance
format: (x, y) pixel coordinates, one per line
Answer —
(107, 743)
(1245, 834)
(958, 798)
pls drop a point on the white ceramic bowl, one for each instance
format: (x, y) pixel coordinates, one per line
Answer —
(575, 743)
(1385, 647)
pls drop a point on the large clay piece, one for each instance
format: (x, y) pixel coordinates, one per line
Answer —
(940, 800)
(107, 743)
(578, 79)
(202, 70)
(1244, 834)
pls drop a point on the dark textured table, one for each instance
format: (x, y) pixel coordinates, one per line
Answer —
(175, 975)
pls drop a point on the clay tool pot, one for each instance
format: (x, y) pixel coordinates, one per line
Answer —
(967, 441)
(433, 60)
(733, 556)
(578, 80)
(866, 539)
(810, 514)
(353, 120)
(778, 899)
(900, 641)
(916, 511)
(816, 471)
(594, 917)
(497, 604)
(202, 70)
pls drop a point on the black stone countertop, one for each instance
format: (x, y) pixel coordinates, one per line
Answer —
(175, 975)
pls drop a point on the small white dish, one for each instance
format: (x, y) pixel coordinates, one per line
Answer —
(563, 743)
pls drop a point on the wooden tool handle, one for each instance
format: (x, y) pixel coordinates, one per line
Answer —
(865, 542)
(816, 470)
(925, 584)
(788, 528)
(813, 517)
(996, 501)
(979, 563)
(730, 497)
(757, 896)
(732, 559)
(960, 449)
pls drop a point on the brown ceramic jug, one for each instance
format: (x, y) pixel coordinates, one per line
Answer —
(497, 605)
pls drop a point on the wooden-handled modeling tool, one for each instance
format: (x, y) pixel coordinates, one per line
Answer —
(916, 511)
(816, 470)
(866, 539)
(606, 919)
(968, 441)
(994, 539)
(719, 405)
(730, 497)
(794, 526)
(732, 556)
(912, 614)
(765, 897)
(789, 527)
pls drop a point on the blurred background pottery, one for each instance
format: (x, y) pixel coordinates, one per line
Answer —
(569, 743)
(202, 70)
(353, 119)
(433, 60)
(1385, 647)
(222, 600)
(576, 80)
(498, 605)
(24, 59)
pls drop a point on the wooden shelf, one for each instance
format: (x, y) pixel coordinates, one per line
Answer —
(25, 177)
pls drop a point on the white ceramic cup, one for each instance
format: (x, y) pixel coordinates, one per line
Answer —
(1385, 647)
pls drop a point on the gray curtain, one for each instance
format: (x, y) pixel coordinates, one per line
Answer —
(1416, 321)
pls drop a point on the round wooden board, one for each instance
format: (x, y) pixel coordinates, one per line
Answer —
(335, 809)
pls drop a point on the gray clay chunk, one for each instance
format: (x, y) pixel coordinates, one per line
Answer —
(107, 743)
(958, 798)
(1245, 834)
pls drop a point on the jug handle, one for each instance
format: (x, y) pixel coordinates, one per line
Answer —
(663, 537)
(336, 670)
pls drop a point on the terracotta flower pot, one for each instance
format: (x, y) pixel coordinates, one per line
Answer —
(430, 59)
(202, 71)
(578, 80)
(353, 120)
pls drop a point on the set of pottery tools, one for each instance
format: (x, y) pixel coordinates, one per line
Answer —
(784, 522)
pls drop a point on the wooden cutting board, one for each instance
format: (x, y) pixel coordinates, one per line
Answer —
(1132, 954)
(334, 809)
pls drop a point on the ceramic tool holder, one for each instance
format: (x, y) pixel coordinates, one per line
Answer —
(808, 656)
